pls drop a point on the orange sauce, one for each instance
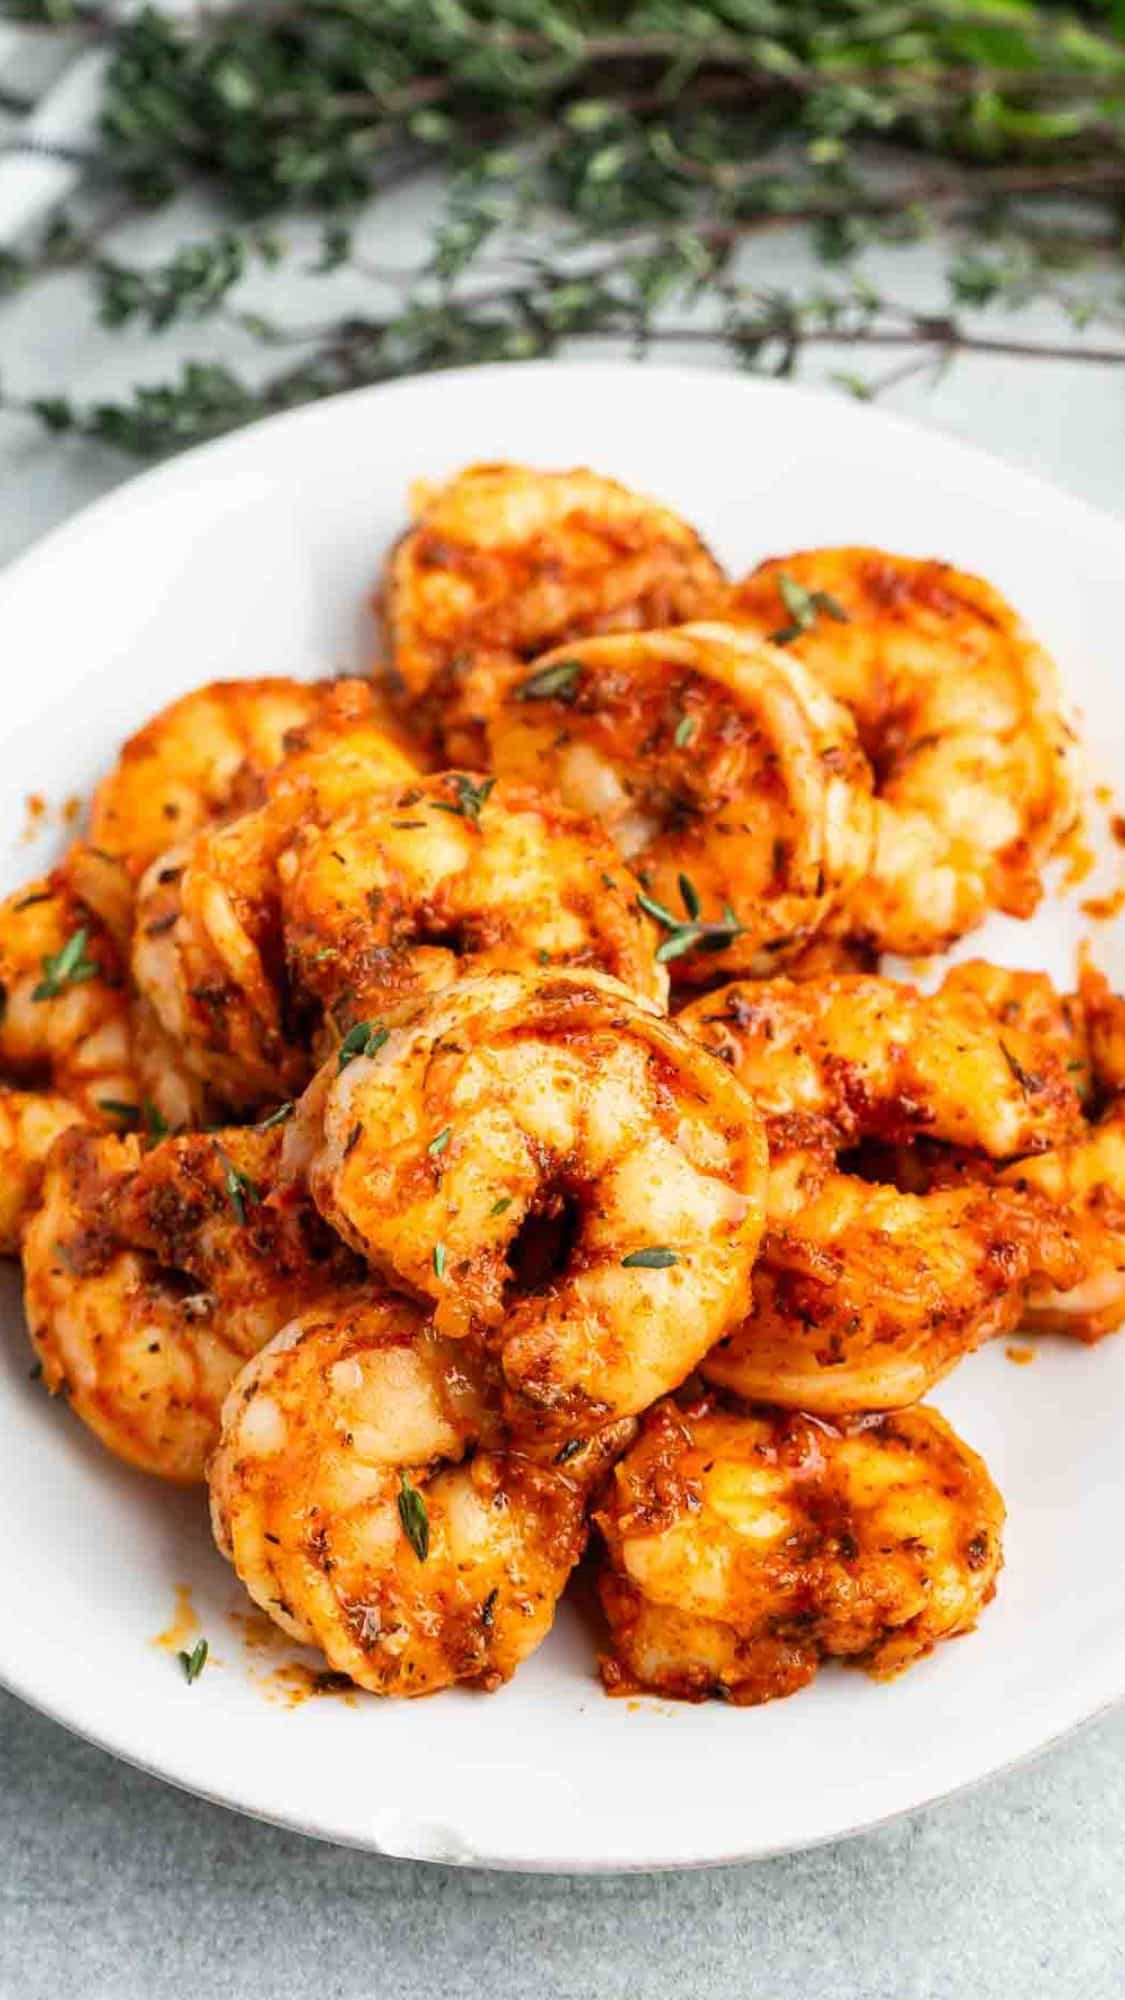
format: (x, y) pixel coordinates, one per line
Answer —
(1020, 1355)
(176, 1637)
(1079, 858)
(35, 812)
(1103, 908)
(280, 1678)
(293, 1683)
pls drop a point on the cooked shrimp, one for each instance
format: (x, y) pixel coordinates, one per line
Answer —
(743, 1550)
(30, 1122)
(959, 711)
(873, 1058)
(208, 951)
(502, 563)
(75, 1045)
(1102, 1016)
(65, 1019)
(1080, 1182)
(1084, 1182)
(554, 1166)
(865, 1295)
(69, 1024)
(733, 785)
(1031, 1002)
(456, 873)
(207, 755)
(370, 1504)
(150, 1277)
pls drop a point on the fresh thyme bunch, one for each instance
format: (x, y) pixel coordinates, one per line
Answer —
(637, 148)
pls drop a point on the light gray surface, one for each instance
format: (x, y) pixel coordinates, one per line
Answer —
(113, 1885)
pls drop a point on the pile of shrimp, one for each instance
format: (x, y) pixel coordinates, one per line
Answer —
(456, 1116)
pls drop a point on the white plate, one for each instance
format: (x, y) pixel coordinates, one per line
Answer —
(255, 555)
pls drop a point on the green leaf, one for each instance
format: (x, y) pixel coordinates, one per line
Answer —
(659, 911)
(557, 683)
(690, 896)
(279, 1117)
(69, 966)
(470, 797)
(656, 1258)
(240, 1190)
(684, 940)
(128, 1114)
(194, 1662)
(361, 1040)
(415, 1520)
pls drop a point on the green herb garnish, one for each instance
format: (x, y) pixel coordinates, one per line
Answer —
(557, 683)
(194, 1662)
(804, 608)
(415, 1520)
(692, 933)
(238, 1187)
(362, 1040)
(128, 1114)
(470, 797)
(279, 1117)
(68, 966)
(439, 1144)
(439, 1260)
(1029, 1082)
(655, 1258)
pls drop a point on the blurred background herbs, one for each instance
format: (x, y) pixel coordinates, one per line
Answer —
(586, 172)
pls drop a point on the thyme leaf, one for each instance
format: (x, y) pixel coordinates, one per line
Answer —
(362, 1040)
(238, 1187)
(557, 683)
(69, 966)
(415, 1520)
(470, 797)
(194, 1662)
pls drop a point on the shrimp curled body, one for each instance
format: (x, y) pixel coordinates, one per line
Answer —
(150, 1277)
(730, 780)
(549, 1162)
(203, 757)
(30, 1122)
(959, 711)
(370, 1503)
(208, 951)
(504, 562)
(76, 1046)
(744, 1550)
(455, 874)
(865, 1293)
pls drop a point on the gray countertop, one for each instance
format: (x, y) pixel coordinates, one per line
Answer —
(111, 1884)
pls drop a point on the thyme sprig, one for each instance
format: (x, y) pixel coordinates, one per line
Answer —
(71, 965)
(241, 1192)
(692, 933)
(638, 150)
